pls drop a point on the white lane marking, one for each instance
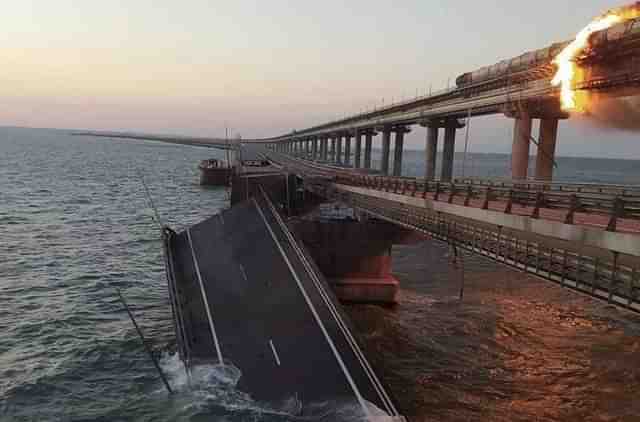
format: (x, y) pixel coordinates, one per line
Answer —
(221, 218)
(345, 371)
(275, 354)
(244, 275)
(336, 315)
(204, 298)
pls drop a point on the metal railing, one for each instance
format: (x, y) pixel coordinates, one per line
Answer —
(614, 201)
(603, 275)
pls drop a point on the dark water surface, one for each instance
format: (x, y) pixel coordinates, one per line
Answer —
(74, 223)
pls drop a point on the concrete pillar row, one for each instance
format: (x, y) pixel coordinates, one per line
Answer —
(347, 149)
(448, 152)
(315, 148)
(546, 149)
(368, 141)
(386, 145)
(520, 147)
(358, 152)
(431, 152)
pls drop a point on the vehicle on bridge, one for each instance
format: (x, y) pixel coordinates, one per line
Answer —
(541, 60)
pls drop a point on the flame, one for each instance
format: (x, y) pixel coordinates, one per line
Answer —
(566, 72)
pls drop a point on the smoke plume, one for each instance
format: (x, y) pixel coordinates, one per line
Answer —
(614, 113)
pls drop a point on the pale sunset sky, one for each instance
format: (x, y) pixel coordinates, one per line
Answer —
(267, 67)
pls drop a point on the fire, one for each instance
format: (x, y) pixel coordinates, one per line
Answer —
(565, 61)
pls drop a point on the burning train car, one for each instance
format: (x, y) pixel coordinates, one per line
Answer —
(526, 61)
(628, 29)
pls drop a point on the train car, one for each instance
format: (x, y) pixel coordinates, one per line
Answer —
(629, 29)
(526, 61)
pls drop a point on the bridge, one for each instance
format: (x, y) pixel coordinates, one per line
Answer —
(318, 223)
(519, 88)
(218, 143)
(584, 236)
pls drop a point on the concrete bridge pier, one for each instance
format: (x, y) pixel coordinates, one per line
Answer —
(332, 152)
(520, 148)
(368, 141)
(314, 149)
(324, 147)
(546, 149)
(399, 149)
(347, 148)
(431, 152)
(448, 151)
(386, 145)
(358, 153)
(338, 159)
(354, 256)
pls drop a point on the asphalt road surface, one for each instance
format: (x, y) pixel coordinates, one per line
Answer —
(252, 297)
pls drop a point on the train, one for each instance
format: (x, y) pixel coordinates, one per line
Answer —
(543, 57)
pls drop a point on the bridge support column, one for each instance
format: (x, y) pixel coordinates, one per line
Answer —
(368, 141)
(398, 150)
(315, 148)
(347, 149)
(323, 148)
(448, 152)
(431, 151)
(307, 151)
(354, 256)
(356, 159)
(386, 145)
(338, 149)
(520, 148)
(332, 153)
(546, 149)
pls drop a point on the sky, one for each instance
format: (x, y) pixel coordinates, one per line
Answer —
(263, 68)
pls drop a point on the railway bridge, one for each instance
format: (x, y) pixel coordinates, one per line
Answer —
(519, 88)
(319, 216)
(583, 236)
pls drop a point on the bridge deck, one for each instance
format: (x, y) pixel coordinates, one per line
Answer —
(248, 294)
(594, 213)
